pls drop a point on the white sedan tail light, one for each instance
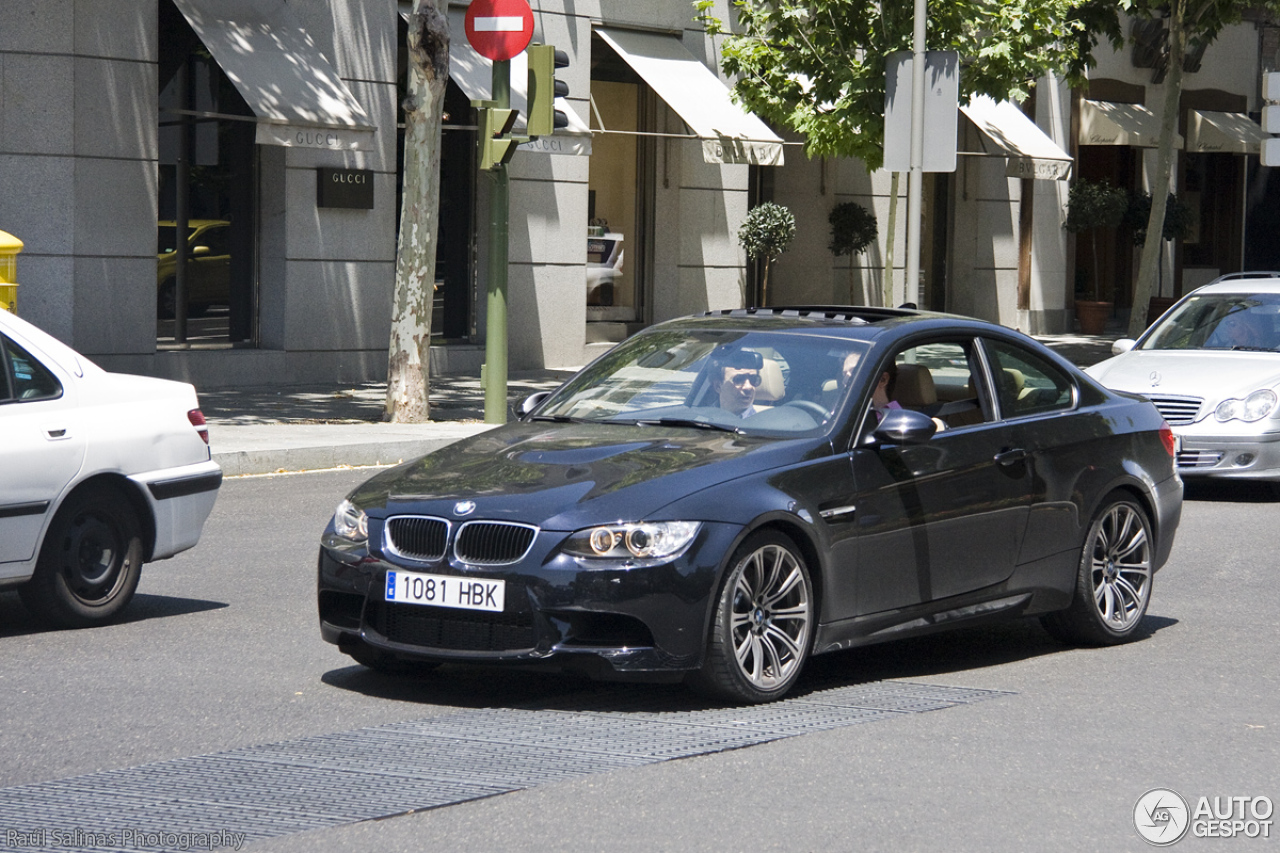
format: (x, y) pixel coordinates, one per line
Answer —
(197, 420)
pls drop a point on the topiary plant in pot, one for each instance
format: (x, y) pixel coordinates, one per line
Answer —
(853, 229)
(765, 234)
(1090, 207)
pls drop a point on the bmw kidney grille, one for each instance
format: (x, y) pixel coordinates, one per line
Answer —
(478, 543)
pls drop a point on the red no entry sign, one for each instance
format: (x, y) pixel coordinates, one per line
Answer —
(499, 29)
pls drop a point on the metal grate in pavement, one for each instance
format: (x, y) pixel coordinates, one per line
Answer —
(277, 789)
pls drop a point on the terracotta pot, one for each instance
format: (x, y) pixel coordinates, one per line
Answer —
(1093, 316)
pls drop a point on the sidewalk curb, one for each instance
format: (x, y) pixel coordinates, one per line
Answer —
(334, 452)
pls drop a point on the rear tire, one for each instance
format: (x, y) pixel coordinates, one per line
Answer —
(762, 629)
(90, 561)
(1113, 584)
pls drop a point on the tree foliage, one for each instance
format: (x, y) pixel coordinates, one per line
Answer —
(1190, 22)
(818, 67)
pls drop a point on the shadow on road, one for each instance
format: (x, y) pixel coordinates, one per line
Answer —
(1231, 491)
(951, 654)
(16, 620)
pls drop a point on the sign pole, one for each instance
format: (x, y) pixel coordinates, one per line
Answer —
(915, 178)
(495, 347)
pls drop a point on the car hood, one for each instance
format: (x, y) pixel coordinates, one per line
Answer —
(1213, 376)
(564, 476)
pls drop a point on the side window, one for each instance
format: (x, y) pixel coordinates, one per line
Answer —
(937, 379)
(1026, 384)
(28, 378)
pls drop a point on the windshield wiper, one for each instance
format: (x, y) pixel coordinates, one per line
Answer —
(682, 422)
(558, 419)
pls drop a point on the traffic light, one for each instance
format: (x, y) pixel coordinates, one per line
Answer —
(544, 88)
(496, 147)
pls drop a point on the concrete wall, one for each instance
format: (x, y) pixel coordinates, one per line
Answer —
(78, 166)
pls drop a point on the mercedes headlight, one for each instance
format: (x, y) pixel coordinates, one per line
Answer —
(1255, 407)
(350, 522)
(651, 540)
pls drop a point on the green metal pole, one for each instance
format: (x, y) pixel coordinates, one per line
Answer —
(494, 376)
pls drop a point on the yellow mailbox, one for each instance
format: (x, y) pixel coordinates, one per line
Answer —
(10, 246)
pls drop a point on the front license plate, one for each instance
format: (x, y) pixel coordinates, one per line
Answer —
(445, 591)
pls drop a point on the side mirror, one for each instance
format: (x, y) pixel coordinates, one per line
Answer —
(532, 402)
(905, 426)
(1122, 346)
(200, 250)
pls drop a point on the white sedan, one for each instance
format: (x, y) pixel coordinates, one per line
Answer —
(99, 473)
(1211, 365)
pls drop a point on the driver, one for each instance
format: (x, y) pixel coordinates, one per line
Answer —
(1243, 330)
(735, 376)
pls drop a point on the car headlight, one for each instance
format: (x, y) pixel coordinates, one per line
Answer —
(650, 540)
(350, 522)
(1255, 407)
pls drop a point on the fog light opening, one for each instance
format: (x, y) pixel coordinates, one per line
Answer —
(1244, 459)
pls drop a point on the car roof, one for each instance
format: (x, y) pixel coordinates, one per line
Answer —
(859, 322)
(1241, 282)
(33, 337)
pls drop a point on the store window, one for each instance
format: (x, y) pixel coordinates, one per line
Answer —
(207, 197)
(620, 188)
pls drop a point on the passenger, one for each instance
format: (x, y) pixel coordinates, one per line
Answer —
(735, 377)
(882, 396)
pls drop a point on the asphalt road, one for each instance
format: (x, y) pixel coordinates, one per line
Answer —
(222, 651)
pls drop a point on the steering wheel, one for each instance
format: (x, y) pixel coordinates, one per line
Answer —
(815, 409)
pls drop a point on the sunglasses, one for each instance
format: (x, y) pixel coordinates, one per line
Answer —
(742, 378)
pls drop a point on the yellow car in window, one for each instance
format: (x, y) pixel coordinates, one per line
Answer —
(208, 265)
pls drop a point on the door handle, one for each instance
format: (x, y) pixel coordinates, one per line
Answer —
(1011, 457)
(55, 433)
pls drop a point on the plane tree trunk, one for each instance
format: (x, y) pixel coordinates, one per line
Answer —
(408, 357)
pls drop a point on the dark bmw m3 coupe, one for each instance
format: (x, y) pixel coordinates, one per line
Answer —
(720, 497)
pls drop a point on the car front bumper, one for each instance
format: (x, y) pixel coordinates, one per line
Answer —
(609, 621)
(1236, 457)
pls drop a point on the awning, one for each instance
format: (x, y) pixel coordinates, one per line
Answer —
(729, 133)
(1223, 133)
(1112, 123)
(474, 76)
(1007, 132)
(296, 94)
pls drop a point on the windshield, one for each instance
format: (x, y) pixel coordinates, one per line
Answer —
(1224, 321)
(166, 238)
(751, 382)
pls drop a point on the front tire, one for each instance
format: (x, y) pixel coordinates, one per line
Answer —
(762, 629)
(1113, 585)
(90, 561)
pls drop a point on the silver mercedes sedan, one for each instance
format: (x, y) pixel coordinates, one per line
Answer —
(1211, 365)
